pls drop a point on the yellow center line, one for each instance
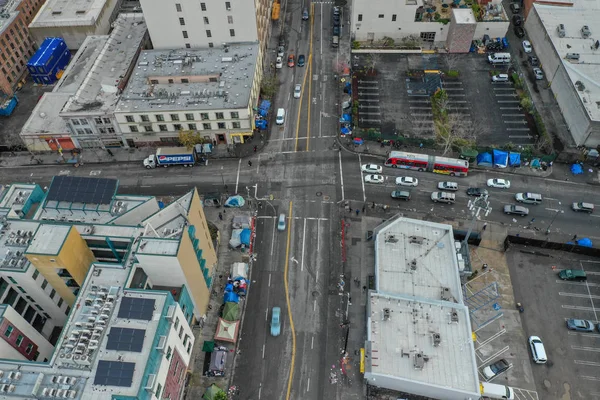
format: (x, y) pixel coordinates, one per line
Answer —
(310, 59)
(300, 109)
(287, 300)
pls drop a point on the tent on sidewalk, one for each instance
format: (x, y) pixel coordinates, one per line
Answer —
(231, 312)
(484, 159)
(500, 158)
(211, 392)
(227, 331)
(514, 159)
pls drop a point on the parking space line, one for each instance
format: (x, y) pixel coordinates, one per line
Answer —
(508, 101)
(513, 115)
(577, 283)
(487, 360)
(491, 338)
(507, 95)
(590, 296)
(510, 108)
(590, 363)
(517, 129)
(585, 348)
(459, 101)
(591, 378)
(450, 95)
(578, 308)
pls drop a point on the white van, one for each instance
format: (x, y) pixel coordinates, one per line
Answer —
(499, 58)
(495, 391)
(280, 116)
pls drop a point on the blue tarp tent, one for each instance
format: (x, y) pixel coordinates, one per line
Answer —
(263, 112)
(584, 242)
(500, 158)
(345, 131)
(245, 236)
(514, 159)
(484, 159)
(261, 124)
(265, 105)
(358, 141)
(346, 118)
(576, 169)
(231, 297)
(235, 201)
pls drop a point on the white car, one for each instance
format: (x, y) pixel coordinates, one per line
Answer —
(527, 46)
(371, 168)
(374, 179)
(279, 63)
(297, 91)
(539, 75)
(407, 181)
(498, 183)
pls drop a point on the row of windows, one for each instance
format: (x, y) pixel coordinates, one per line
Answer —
(203, 8)
(60, 302)
(188, 117)
(179, 127)
(8, 332)
(360, 17)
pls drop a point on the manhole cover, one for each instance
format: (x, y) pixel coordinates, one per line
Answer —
(326, 198)
(319, 194)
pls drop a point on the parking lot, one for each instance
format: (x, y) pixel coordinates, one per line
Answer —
(572, 370)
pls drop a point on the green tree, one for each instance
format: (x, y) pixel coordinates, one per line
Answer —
(269, 86)
(221, 395)
(190, 138)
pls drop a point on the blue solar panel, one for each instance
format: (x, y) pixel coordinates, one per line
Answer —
(75, 189)
(114, 373)
(126, 339)
(136, 308)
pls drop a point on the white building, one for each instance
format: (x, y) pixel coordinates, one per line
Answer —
(429, 21)
(19, 340)
(209, 91)
(418, 329)
(73, 20)
(569, 57)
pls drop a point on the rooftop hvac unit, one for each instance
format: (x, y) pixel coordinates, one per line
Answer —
(94, 312)
(15, 375)
(73, 338)
(68, 346)
(89, 325)
(59, 393)
(76, 333)
(105, 310)
(3, 388)
(103, 317)
(1, 373)
(98, 328)
(45, 392)
(52, 393)
(11, 388)
(93, 343)
(86, 332)
(79, 324)
(72, 394)
(100, 323)
(72, 380)
(110, 298)
(79, 351)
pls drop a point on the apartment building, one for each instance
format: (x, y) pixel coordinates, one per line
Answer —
(16, 44)
(210, 91)
(73, 20)
(19, 340)
(79, 112)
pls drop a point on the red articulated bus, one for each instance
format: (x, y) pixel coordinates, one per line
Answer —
(424, 162)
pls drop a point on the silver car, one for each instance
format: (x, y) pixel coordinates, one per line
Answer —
(297, 91)
(539, 74)
(516, 210)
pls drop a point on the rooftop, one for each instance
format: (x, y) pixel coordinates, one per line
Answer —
(194, 79)
(15, 236)
(8, 15)
(421, 341)
(55, 13)
(583, 72)
(417, 258)
(45, 116)
(101, 89)
(49, 239)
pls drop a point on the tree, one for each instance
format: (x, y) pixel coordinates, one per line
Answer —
(269, 86)
(373, 60)
(220, 395)
(190, 138)
(451, 129)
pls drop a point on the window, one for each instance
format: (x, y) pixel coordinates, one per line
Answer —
(192, 127)
(189, 116)
(44, 284)
(67, 310)
(162, 127)
(219, 115)
(129, 118)
(110, 130)
(145, 118)
(101, 130)
(380, 16)
(36, 273)
(208, 34)
(180, 332)
(98, 120)
(8, 331)
(176, 323)
(21, 289)
(236, 125)
(60, 302)
(10, 278)
(29, 348)
(178, 7)
(19, 340)
(174, 117)
(148, 128)
(235, 115)
(75, 122)
(177, 127)
(106, 120)
(359, 17)
(185, 339)
(158, 390)
(189, 348)
(221, 125)
(169, 351)
(203, 6)
(188, 46)
(205, 20)
(159, 117)
(133, 128)
(229, 19)
(232, 32)
(393, 17)
(206, 126)
(228, 6)
(185, 35)
(181, 21)
(52, 294)
(211, 44)
(204, 116)
(428, 36)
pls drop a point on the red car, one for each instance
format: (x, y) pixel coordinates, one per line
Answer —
(291, 61)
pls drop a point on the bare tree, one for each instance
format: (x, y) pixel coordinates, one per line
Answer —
(455, 131)
(372, 61)
(452, 61)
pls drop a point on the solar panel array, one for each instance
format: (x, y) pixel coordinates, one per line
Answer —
(75, 189)
(136, 308)
(126, 339)
(114, 373)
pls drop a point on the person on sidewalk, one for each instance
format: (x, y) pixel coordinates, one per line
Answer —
(255, 148)
(357, 211)
(484, 226)
(249, 163)
(221, 216)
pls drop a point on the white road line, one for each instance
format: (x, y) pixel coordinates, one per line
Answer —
(259, 390)
(267, 314)
(591, 215)
(491, 338)
(495, 355)
(590, 363)
(591, 378)
(315, 305)
(273, 240)
(586, 348)
(265, 217)
(180, 185)
(303, 243)
(263, 351)
(591, 297)
(512, 115)
(362, 180)
(269, 280)
(312, 343)
(553, 209)
(342, 176)
(578, 308)
(151, 186)
(148, 176)
(308, 385)
(318, 240)
(586, 296)
(237, 180)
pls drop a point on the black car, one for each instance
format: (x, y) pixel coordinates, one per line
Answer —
(477, 192)
(519, 31)
(517, 20)
(533, 61)
(281, 40)
(401, 195)
(301, 60)
(336, 31)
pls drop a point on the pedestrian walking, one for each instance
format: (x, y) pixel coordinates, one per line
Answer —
(255, 148)
(484, 226)
(350, 210)
(364, 289)
(357, 211)
(221, 216)
(364, 208)
(574, 237)
(249, 163)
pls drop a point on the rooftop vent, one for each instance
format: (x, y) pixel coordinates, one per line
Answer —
(437, 339)
(560, 29)
(446, 294)
(419, 360)
(386, 314)
(413, 264)
(585, 32)
(572, 56)
(416, 239)
(454, 317)
(391, 239)
(580, 86)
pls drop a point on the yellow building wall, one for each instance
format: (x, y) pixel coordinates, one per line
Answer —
(198, 219)
(74, 256)
(190, 266)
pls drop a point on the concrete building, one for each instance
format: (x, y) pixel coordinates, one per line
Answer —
(209, 91)
(569, 56)
(418, 329)
(74, 20)
(19, 340)
(79, 112)
(16, 44)
(427, 21)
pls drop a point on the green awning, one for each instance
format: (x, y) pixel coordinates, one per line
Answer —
(208, 346)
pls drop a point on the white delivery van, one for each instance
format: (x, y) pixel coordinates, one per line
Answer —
(495, 391)
(499, 58)
(280, 116)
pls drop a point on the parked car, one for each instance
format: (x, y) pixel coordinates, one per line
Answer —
(580, 325)
(305, 14)
(374, 179)
(279, 63)
(281, 40)
(276, 321)
(451, 186)
(301, 60)
(407, 181)
(443, 197)
(527, 46)
(538, 352)
(573, 275)
(281, 222)
(336, 20)
(280, 51)
(517, 20)
(516, 210)
(498, 183)
(533, 61)
(297, 91)
(583, 207)
(401, 195)
(477, 192)
(500, 78)
(529, 198)
(336, 10)
(291, 60)
(371, 168)
(519, 31)
(515, 8)
(538, 73)
(495, 369)
(336, 31)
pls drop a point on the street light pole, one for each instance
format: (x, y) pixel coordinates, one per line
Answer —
(476, 206)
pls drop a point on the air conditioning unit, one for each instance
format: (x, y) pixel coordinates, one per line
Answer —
(171, 312)
(150, 382)
(161, 343)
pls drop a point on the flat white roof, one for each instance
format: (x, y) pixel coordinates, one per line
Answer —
(584, 74)
(464, 16)
(55, 13)
(48, 239)
(45, 116)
